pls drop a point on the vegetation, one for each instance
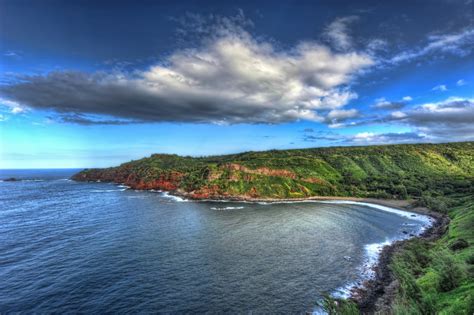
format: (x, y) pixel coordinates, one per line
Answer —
(425, 172)
(435, 277)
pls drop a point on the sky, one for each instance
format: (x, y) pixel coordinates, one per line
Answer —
(99, 83)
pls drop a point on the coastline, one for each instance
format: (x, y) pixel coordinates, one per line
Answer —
(375, 294)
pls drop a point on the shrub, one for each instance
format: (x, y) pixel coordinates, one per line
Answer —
(338, 306)
(470, 259)
(459, 244)
(450, 272)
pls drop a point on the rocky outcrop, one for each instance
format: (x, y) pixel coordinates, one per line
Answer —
(167, 181)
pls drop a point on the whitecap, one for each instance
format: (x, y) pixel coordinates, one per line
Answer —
(226, 208)
(175, 198)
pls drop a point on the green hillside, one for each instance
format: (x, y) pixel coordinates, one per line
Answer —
(397, 171)
(434, 276)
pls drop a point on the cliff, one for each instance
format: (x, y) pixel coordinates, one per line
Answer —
(391, 171)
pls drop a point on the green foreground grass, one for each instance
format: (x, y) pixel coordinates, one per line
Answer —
(435, 277)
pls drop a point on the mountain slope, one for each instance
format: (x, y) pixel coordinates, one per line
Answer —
(395, 171)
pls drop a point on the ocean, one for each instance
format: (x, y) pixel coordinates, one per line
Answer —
(69, 246)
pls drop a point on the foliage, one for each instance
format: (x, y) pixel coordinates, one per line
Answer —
(424, 172)
(333, 306)
(435, 279)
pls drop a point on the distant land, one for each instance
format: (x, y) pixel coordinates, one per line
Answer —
(388, 172)
(430, 274)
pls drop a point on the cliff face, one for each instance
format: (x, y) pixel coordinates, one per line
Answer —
(398, 171)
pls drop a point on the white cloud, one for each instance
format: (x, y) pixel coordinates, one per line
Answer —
(407, 98)
(14, 107)
(364, 136)
(12, 54)
(398, 114)
(461, 82)
(232, 78)
(441, 88)
(460, 44)
(383, 103)
(341, 114)
(338, 33)
(448, 120)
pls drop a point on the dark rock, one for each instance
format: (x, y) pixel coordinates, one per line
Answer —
(11, 179)
(459, 244)
(404, 232)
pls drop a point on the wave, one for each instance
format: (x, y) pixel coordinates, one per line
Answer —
(406, 214)
(226, 208)
(372, 251)
(123, 186)
(175, 198)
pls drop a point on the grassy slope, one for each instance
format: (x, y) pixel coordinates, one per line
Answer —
(433, 277)
(399, 171)
(436, 278)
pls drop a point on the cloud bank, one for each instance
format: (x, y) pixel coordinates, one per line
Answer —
(231, 78)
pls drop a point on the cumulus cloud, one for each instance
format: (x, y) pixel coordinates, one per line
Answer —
(449, 120)
(231, 78)
(336, 116)
(461, 82)
(337, 33)
(407, 98)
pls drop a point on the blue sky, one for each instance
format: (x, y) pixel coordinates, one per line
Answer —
(98, 83)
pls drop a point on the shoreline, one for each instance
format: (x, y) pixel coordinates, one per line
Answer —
(377, 293)
(373, 295)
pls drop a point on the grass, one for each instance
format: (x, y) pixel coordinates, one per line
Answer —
(435, 277)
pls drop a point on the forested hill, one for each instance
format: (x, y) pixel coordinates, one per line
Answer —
(390, 171)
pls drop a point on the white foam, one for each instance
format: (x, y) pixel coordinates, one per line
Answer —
(226, 208)
(123, 186)
(175, 198)
(372, 251)
(406, 214)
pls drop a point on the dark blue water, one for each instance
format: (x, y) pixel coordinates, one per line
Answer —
(95, 247)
